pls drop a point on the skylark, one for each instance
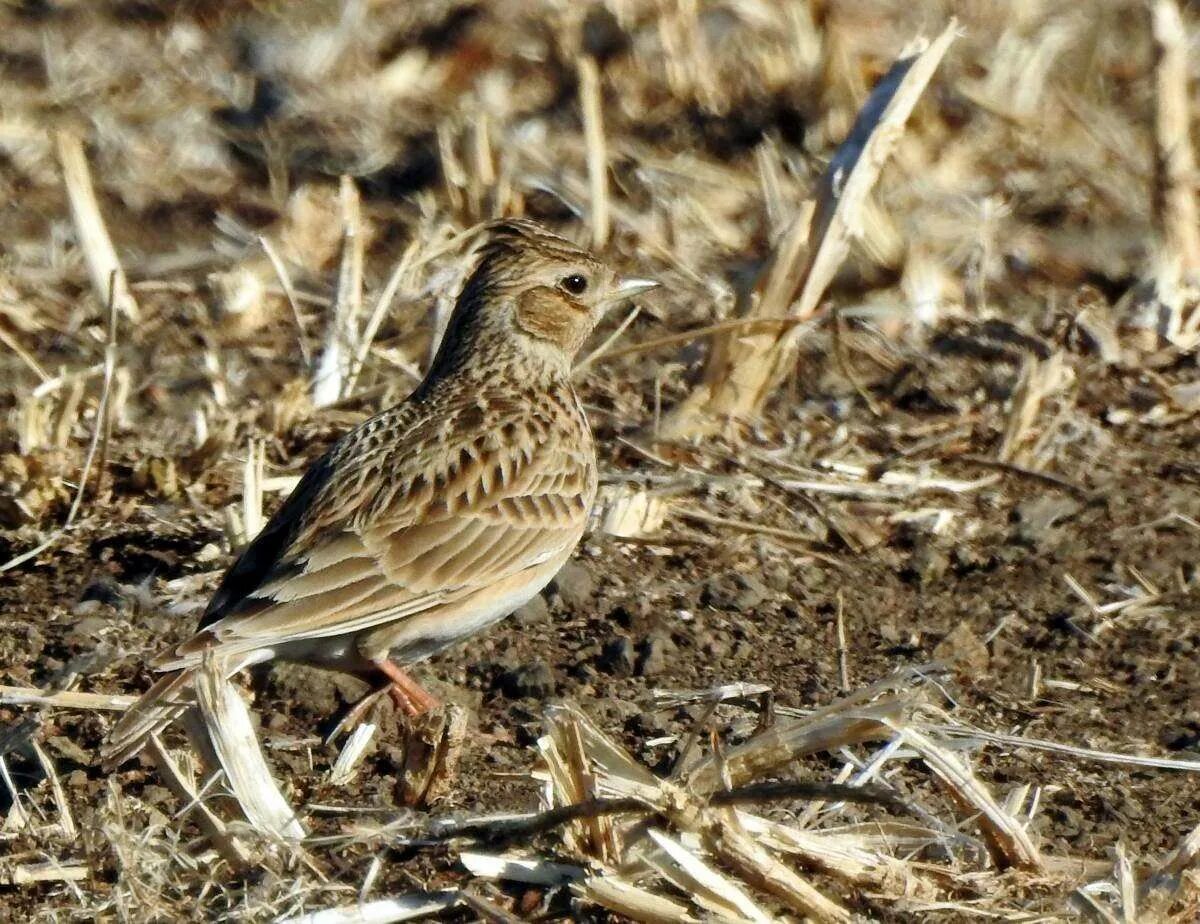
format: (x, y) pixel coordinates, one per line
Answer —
(433, 519)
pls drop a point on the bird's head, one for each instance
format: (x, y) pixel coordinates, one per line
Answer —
(535, 290)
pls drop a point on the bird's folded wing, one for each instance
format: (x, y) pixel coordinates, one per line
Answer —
(473, 518)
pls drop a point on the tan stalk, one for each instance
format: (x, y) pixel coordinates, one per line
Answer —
(1175, 174)
(597, 155)
(103, 265)
(741, 373)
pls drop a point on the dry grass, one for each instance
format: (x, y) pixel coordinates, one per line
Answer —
(232, 228)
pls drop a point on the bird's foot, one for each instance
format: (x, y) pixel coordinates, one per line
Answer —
(357, 713)
(410, 696)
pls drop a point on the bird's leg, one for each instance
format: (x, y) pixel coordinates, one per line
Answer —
(409, 694)
(412, 699)
(357, 713)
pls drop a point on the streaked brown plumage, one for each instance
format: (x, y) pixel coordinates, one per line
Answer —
(434, 518)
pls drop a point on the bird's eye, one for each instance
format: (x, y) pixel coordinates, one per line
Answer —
(576, 283)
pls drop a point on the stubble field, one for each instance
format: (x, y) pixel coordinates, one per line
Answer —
(969, 499)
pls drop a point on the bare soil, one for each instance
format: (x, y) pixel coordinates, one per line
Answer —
(628, 617)
(744, 580)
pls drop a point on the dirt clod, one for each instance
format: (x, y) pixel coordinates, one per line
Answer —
(316, 692)
(1037, 518)
(534, 680)
(534, 613)
(927, 563)
(652, 656)
(735, 591)
(618, 657)
(965, 650)
(574, 585)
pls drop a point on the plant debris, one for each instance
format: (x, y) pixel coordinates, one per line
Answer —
(887, 611)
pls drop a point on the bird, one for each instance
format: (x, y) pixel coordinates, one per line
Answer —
(437, 517)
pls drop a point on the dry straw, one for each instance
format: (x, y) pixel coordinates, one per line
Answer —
(742, 372)
(915, 358)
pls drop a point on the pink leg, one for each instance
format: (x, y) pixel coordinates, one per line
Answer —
(357, 713)
(408, 694)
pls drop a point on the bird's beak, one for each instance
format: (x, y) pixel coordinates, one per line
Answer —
(626, 289)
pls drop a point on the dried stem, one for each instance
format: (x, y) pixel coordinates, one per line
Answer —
(1175, 163)
(742, 373)
(98, 251)
(597, 155)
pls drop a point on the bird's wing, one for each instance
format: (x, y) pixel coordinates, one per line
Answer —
(389, 535)
(319, 501)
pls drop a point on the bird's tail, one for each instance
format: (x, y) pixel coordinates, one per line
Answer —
(158, 707)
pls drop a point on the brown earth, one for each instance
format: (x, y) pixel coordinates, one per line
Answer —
(201, 121)
(628, 617)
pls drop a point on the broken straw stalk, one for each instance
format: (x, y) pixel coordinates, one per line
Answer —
(742, 371)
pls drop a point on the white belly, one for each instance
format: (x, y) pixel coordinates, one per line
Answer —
(417, 637)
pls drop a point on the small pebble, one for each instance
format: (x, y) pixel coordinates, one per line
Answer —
(617, 657)
(534, 613)
(652, 657)
(574, 585)
(534, 680)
